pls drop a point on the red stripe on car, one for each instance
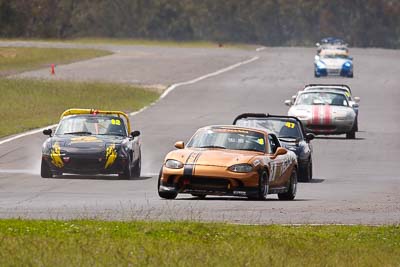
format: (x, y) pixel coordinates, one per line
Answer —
(327, 115)
(315, 115)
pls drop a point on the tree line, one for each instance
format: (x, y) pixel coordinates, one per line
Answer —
(363, 23)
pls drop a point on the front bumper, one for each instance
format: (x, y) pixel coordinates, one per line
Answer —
(87, 164)
(338, 127)
(209, 180)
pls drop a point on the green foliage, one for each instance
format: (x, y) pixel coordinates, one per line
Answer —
(269, 22)
(29, 104)
(97, 243)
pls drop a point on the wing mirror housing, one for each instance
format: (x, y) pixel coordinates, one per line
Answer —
(48, 132)
(316, 57)
(280, 151)
(288, 102)
(317, 44)
(180, 145)
(135, 134)
(357, 99)
(310, 137)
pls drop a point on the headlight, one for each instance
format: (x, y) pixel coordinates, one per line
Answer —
(173, 164)
(320, 65)
(241, 168)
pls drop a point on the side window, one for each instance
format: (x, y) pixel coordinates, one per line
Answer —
(271, 147)
(273, 144)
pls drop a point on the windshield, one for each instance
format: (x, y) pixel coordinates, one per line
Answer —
(335, 89)
(224, 138)
(92, 125)
(322, 98)
(282, 128)
(335, 56)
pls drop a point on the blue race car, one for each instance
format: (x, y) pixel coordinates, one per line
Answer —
(333, 62)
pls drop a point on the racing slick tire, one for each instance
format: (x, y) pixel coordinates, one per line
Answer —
(305, 174)
(138, 167)
(263, 187)
(352, 133)
(127, 171)
(291, 193)
(45, 171)
(166, 195)
(356, 123)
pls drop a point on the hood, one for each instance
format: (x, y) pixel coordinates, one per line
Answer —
(85, 144)
(212, 157)
(334, 62)
(321, 114)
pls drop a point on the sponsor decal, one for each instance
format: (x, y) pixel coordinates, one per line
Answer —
(239, 193)
(111, 155)
(55, 155)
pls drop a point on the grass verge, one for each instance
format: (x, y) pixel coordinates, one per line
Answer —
(143, 42)
(29, 104)
(97, 243)
(18, 59)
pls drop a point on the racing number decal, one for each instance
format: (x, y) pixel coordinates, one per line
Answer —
(111, 155)
(115, 122)
(290, 125)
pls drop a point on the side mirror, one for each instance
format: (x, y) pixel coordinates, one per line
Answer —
(356, 105)
(280, 151)
(351, 58)
(316, 57)
(317, 44)
(135, 134)
(310, 137)
(48, 132)
(288, 102)
(357, 99)
(180, 145)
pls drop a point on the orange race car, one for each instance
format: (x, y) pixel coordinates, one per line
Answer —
(229, 160)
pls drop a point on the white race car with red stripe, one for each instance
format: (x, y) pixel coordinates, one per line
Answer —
(324, 112)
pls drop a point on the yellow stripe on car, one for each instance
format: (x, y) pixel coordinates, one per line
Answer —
(56, 156)
(111, 155)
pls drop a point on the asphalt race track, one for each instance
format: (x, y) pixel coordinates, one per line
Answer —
(355, 181)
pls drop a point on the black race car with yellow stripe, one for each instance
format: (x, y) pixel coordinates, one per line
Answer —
(88, 141)
(291, 134)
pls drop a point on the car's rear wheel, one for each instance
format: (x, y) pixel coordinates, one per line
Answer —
(263, 187)
(45, 171)
(138, 166)
(291, 193)
(164, 194)
(305, 174)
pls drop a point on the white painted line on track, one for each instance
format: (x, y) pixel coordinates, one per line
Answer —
(166, 92)
(218, 72)
(26, 134)
(260, 48)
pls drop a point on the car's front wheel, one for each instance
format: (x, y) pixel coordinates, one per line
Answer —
(127, 170)
(165, 194)
(138, 166)
(291, 193)
(263, 187)
(305, 174)
(45, 171)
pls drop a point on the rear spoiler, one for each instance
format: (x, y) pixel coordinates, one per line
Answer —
(266, 116)
(77, 111)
